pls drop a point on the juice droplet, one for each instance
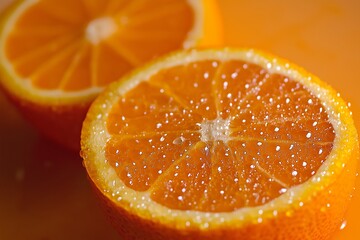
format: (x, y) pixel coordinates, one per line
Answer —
(343, 225)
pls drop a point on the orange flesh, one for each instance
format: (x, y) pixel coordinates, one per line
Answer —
(217, 136)
(49, 45)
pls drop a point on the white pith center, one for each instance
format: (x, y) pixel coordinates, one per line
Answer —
(215, 130)
(99, 29)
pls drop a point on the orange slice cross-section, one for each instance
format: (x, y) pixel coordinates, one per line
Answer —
(222, 143)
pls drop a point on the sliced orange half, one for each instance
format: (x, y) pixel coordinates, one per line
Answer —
(57, 55)
(221, 144)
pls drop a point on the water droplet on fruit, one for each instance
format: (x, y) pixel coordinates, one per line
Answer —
(283, 190)
(179, 140)
(343, 225)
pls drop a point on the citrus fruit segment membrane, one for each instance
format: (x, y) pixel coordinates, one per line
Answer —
(127, 33)
(151, 105)
(191, 174)
(217, 136)
(135, 155)
(198, 98)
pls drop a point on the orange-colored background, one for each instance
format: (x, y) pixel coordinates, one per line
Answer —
(44, 193)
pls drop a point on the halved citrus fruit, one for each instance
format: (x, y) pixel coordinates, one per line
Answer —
(221, 144)
(57, 55)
